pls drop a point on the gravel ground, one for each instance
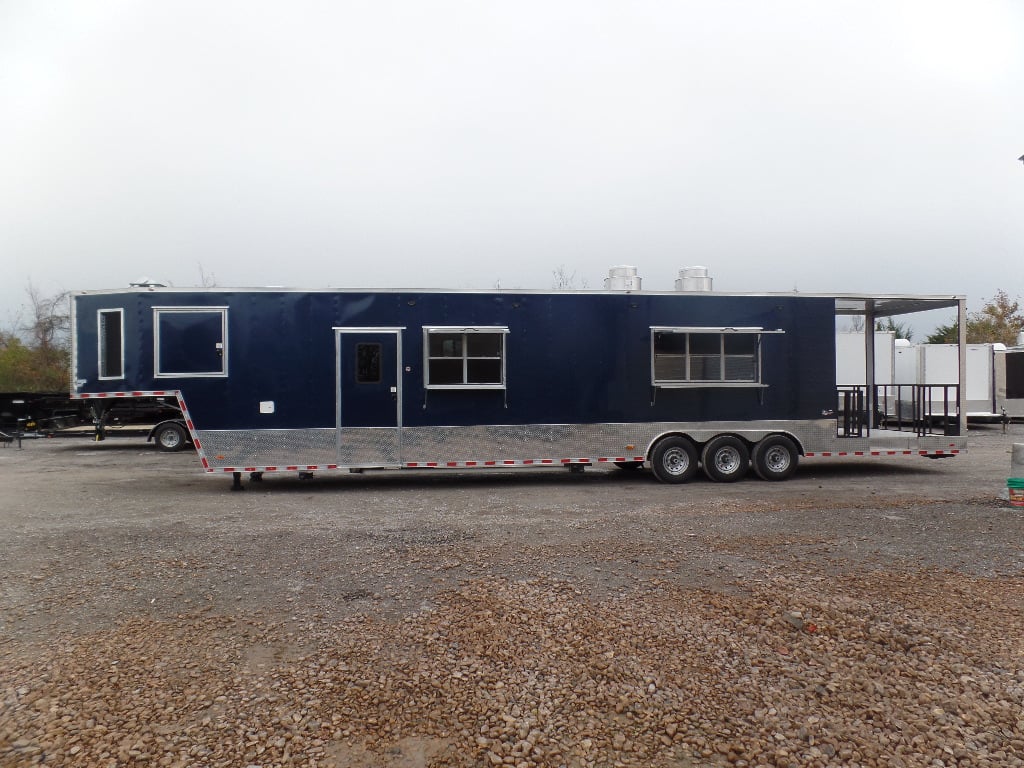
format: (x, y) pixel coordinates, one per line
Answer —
(867, 612)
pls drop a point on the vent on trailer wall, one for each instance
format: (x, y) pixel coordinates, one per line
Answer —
(622, 278)
(693, 279)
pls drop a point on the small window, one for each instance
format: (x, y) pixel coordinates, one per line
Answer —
(464, 358)
(706, 356)
(368, 358)
(190, 341)
(111, 343)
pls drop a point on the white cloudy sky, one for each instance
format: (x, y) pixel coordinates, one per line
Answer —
(825, 145)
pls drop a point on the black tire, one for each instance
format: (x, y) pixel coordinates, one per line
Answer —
(170, 437)
(674, 460)
(629, 465)
(775, 458)
(725, 459)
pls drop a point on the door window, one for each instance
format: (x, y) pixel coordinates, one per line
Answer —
(368, 358)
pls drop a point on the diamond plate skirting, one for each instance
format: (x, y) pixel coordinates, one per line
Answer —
(519, 444)
(384, 447)
(268, 447)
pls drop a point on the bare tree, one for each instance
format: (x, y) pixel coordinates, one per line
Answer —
(49, 320)
(206, 280)
(35, 356)
(564, 280)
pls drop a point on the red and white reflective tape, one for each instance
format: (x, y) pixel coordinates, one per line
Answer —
(936, 452)
(519, 462)
(289, 468)
(429, 464)
(148, 393)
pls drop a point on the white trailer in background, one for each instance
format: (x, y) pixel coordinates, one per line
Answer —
(850, 354)
(936, 365)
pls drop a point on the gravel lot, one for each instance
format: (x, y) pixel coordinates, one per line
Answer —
(867, 612)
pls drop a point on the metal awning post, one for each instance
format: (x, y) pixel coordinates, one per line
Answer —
(869, 362)
(961, 340)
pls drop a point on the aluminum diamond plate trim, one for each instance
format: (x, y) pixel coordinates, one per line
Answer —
(268, 447)
(515, 445)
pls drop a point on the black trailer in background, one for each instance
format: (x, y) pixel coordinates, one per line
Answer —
(57, 414)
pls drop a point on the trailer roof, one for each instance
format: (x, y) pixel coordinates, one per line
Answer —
(879, 305)
(882, 304)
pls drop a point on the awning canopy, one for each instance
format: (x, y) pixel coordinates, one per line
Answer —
(888, 306)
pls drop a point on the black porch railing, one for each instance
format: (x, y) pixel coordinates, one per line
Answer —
(924, 409)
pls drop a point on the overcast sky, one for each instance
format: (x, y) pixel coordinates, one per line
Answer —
(865, 146)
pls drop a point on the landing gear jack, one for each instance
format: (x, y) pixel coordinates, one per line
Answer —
(236, 478)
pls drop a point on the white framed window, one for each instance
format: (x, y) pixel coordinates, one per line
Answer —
(702, 357)
(190, 342)
(457, 357)
(110, 343)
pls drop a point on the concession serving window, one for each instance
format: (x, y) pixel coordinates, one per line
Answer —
(706, 357)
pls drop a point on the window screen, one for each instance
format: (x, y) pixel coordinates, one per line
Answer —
(464, 358)
(111, 343)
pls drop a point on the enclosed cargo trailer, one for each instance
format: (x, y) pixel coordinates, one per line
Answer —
(272, 380)
(984, 384)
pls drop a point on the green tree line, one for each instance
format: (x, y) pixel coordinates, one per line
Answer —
(1000, 320)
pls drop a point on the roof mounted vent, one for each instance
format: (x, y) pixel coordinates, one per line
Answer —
(145, 282)
(693, 279)
(622, 278)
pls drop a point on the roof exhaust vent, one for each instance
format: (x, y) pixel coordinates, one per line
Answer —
(622, 278)
(693, 279)
(145, 282)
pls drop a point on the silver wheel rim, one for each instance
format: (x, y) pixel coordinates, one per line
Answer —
(170, 439)
(777, 459)
(727, 460)
(676, 461)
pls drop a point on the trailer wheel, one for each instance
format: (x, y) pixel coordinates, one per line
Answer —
(170, 437)
(725, 459)
(775, 458)
(674, 460)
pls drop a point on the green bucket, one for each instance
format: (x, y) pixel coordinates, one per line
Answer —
(1015, 486)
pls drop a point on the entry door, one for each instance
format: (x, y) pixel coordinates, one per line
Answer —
(369, 396)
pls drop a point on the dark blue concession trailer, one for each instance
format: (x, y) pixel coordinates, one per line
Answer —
(271, 380)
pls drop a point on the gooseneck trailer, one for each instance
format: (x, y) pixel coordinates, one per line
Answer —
(274, 380)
